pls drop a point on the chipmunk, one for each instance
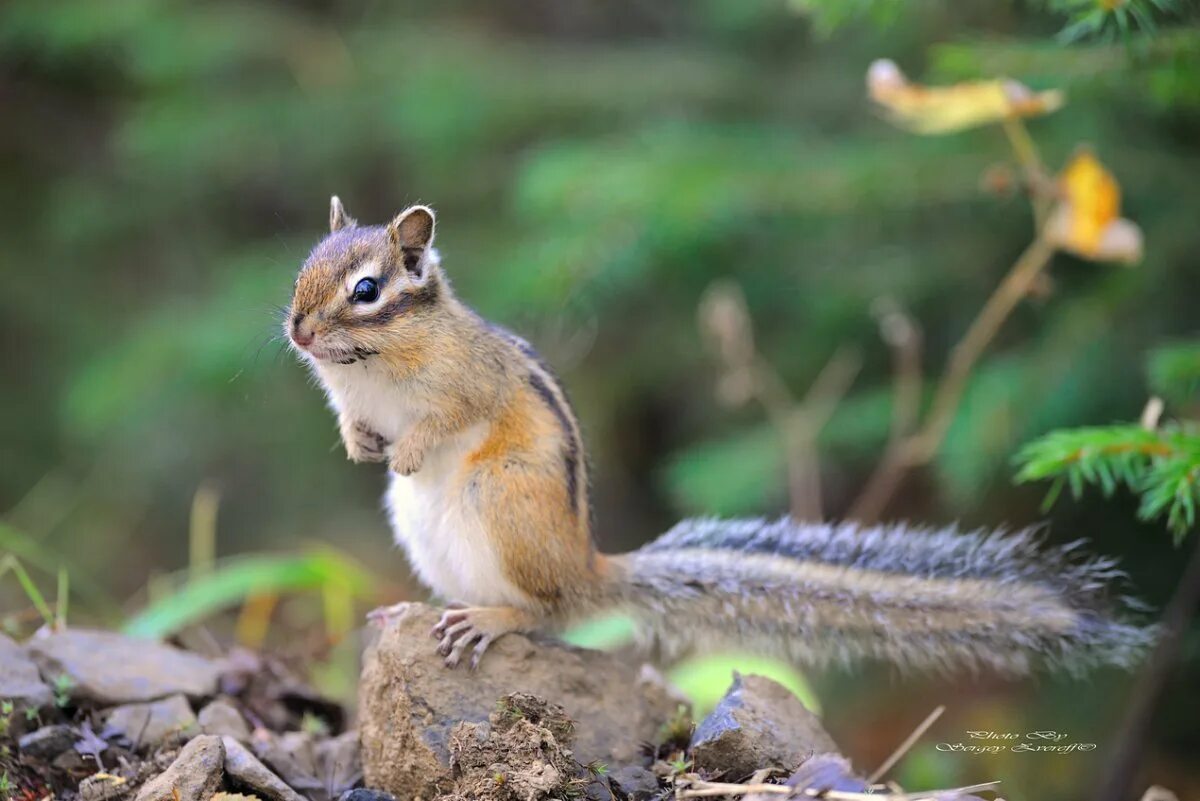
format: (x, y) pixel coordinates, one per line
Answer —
(488, 495)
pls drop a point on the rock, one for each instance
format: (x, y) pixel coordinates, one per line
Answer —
(20, 682)
(366, 794)
(194, 775)
(47, 742)
(598, 789)
(245, 770)
(108, 668)
(293, 757)
(823, 772)
(146, 726)
(409, 702)
(103, 787)
(340, 762)
(71, 761)
(758, 724)
(320, 769)
(221, 717)
(634, 783)
(521, 754)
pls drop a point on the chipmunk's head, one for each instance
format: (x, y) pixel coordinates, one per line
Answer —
(363, 286)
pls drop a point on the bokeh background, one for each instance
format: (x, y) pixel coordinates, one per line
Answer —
(166, 165)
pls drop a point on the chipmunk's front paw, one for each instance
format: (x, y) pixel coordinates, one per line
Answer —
(406, 458)
(364, 444)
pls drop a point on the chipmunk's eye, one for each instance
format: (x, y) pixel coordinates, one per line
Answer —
(365, 291)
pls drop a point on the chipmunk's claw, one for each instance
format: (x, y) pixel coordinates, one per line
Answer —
(461, 628)
(454, 613)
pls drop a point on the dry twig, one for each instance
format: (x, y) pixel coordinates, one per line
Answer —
(904, 747)
(920, 447)
(725, 320)
(692, 786)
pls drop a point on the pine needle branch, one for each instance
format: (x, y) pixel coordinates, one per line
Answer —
(1161, 466)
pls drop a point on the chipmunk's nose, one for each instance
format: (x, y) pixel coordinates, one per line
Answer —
(301, 335)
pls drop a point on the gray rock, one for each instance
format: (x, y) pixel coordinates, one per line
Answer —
(409, 701)
(634, 783)
(148, 725)
(194, 775)
(340, 762)
(223, 719)
(245, 770)
(823, 772)
(109, 668)
(366, 794)
(321, 769)
(20, 681)
(758, 724)
(293, 756)
(598, 789)
(48, 741)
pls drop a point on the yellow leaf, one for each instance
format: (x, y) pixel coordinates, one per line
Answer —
(946, 109)
(1087, 220)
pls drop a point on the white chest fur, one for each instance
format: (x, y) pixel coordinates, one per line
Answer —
(365, 392)
(434, 515)
(436, 518)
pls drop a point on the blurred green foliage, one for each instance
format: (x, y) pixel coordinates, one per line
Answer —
(165, 166)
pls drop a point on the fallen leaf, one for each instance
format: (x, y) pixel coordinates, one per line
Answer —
(947, 109)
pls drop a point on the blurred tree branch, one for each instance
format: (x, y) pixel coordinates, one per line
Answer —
(725, 322)
(902, 454)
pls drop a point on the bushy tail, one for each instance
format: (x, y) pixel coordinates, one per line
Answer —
(916, 597)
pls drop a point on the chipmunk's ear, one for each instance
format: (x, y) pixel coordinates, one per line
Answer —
(412, 234)
(338, 218)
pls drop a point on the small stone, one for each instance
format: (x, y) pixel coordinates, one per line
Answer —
(20, 682)
(146, 726)
(338, 760)
(598, 789)
(366, 794)
(823, 772)
(48, 741)
(293, 757)
(634, 783)
(758, 724)
(221, 717)
(246, 770)
(71, 761)
(109, 668)
(194, 775)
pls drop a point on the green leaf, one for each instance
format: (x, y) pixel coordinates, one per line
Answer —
(606, 633)
(240, 577)
(705, 679)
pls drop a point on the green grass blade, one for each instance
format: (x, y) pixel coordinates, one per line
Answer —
(233, 580)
